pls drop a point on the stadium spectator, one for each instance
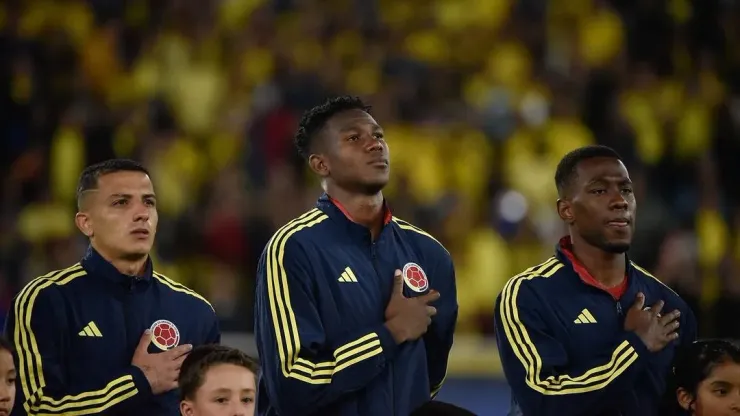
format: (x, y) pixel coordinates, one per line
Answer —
(575, 335)
(108, 334)
(7, 377)
(344, 321)
(218, 381)
(706, 379)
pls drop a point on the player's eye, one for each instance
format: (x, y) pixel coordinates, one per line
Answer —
(627, 190)
(353, 138)
(378, 136)
(150, 202)
(120, 202)
(247, 400)
(222, 400)
(598, 191)
(11, 381)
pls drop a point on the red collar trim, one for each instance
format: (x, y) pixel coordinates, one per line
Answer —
(387, 216)
(566, 247)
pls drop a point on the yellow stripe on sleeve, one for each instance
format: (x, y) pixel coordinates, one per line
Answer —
(30, 365)
(526, 351)
(284, 321)
(179, 287)
(405, 225)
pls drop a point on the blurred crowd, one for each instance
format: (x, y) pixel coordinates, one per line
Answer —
(479, 99)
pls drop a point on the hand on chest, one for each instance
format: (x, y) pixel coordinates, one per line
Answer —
(360, 284)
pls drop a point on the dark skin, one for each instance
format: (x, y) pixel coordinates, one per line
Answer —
(351, 157)
(599, 207)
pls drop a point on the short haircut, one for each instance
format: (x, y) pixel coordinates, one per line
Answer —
(202, 358)
(314, 120)
(89, 177)
(565, 174)
(435, 408)
(5, 345)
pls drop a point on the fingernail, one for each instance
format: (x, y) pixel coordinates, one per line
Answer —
(148, 332)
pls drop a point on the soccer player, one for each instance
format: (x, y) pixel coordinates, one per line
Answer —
(344, 317)
(573, 333)
(218, 381)
(108, 334)
(7, 377)
(707, 378)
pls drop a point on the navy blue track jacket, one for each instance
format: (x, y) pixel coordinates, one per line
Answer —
(563, 347)
(322, 289)
(75, 332)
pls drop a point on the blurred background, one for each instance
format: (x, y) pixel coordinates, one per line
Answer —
(479, 99)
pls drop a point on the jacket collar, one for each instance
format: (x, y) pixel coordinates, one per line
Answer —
(564, 253)
(98, 266)
(339, 214)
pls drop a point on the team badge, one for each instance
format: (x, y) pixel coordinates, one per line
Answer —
(165, 334)
(415, 277)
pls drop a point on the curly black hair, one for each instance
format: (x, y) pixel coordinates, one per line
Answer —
(566, 170)
(202, 358)
(314, 120)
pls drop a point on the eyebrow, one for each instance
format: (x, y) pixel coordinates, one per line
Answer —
(604, 180)
(129, 196)
(376, 127)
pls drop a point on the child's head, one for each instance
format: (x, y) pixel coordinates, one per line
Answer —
(7, 378)
(218, 381)
(707, 377)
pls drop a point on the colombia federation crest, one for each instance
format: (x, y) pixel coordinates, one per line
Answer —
(165, 334)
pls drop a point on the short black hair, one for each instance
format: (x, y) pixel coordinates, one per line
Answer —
(90, 175)
(436, 408)
(566, 171)
(202, 358)
(5, 345)
(315, 119)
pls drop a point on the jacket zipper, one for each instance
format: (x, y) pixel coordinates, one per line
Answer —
(390, 365)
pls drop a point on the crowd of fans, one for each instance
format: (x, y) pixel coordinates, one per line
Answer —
(479, 100)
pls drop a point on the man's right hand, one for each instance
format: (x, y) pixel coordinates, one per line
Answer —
(161, 369)
(408, 318)
(654, 330)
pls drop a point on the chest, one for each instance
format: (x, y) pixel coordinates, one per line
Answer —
(591, 324)
(354, 280)
(104, 327)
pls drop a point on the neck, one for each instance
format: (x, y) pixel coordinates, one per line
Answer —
(127, 266)
(366, 210)
(608, 268)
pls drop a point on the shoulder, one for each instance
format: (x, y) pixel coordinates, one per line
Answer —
(671, 298)
(537, 278)
(49, 284)
(421, 238)
(298, 231)
(190, 296)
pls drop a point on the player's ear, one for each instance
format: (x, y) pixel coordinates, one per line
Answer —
(84, 223)
(685, 399)
(319, 165)
(565, 210)
(187, 408)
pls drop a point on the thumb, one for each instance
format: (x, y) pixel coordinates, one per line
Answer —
(639, 301)
(397, 283)
(146, 339)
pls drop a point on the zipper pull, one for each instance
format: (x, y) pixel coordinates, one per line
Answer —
(619, 308)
